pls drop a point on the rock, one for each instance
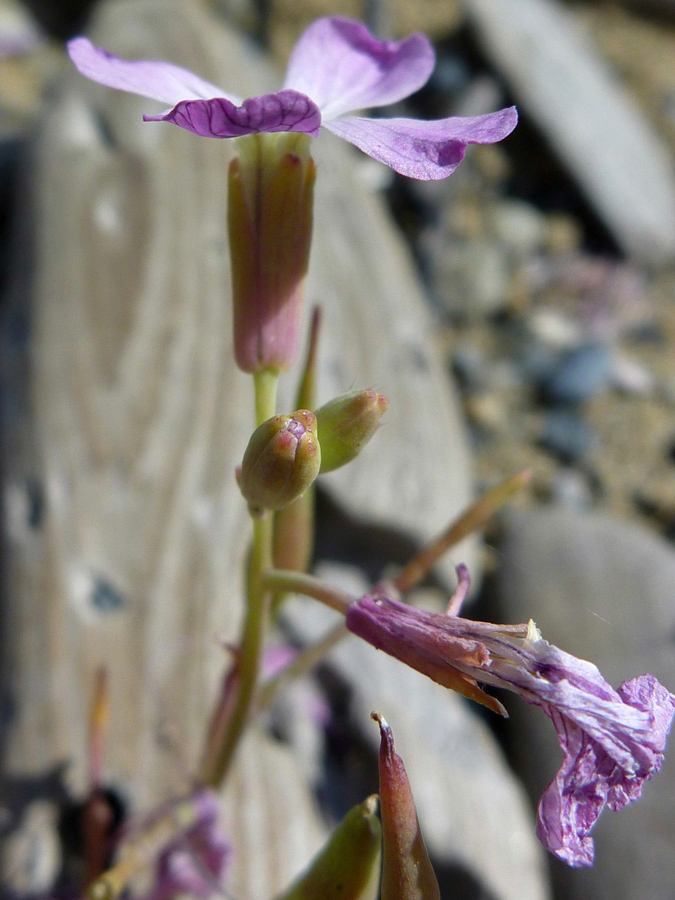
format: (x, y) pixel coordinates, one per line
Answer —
(579, 374)
(632, 377)
(667, 391)
(571, 489)
(469, 365)
(471, 280)
(602, 590)
(518, 226)
(554, 328)
(567, 435)
(273, 818)
(573, 96)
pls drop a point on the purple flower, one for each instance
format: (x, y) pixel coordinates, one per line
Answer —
(337, 67)
(196, 861)
(612, 741)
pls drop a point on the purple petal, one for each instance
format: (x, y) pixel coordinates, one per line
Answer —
(427, 151)
(157, 80)
(589, 777)
(219, 118)
(342, 67)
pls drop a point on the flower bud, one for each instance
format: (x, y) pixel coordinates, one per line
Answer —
(407, 873)
(270, 201)
(346, 424)
(281, 461)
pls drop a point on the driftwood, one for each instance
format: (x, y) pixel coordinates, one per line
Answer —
(126, 532)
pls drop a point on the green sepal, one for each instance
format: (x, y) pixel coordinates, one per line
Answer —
(348, 867)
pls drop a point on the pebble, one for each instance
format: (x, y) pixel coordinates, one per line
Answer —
(567, 435)
(470, 368)
(518, 226)
(579, 374)
(632, 377)
(667, 391)
(554, 328)
(536, 361)
(571, 489)
(472, 280)
(488, 412)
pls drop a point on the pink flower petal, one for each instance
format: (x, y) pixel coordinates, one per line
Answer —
(220, 118)
(157, 80)
(590, 777)
(427, 151)
(342, 67)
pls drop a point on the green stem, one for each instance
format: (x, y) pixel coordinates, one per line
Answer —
(257, 607)
(265, 383)
(282, 580)
(306, 660)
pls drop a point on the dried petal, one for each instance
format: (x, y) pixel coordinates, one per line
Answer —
(613, 741)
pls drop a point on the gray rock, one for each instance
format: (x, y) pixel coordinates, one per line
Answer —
(519, 226)
(472, 279)
(603, 590)
(579, 374)
(567, 435)
(571, 489)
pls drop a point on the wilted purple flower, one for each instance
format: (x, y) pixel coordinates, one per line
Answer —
(613, 741)
(337, 67)
(194, 863)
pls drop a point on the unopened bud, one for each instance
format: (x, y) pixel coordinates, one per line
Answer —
(407, 873)
(346, 424)
(282, 459)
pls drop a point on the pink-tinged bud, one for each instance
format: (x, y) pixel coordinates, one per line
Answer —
(271, 189)
(407, 873)
(282, 459)
(293, 538)
(346, 424)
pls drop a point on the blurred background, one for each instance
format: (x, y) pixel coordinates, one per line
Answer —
(546, 268)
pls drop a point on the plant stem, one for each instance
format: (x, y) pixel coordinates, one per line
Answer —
(307, 659)
(299, 583)
(471, 520)
(257, 606)
(265, 382)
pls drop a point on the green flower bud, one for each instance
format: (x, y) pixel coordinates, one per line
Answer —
(348, 867)
(346, 424)
(282, 459)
